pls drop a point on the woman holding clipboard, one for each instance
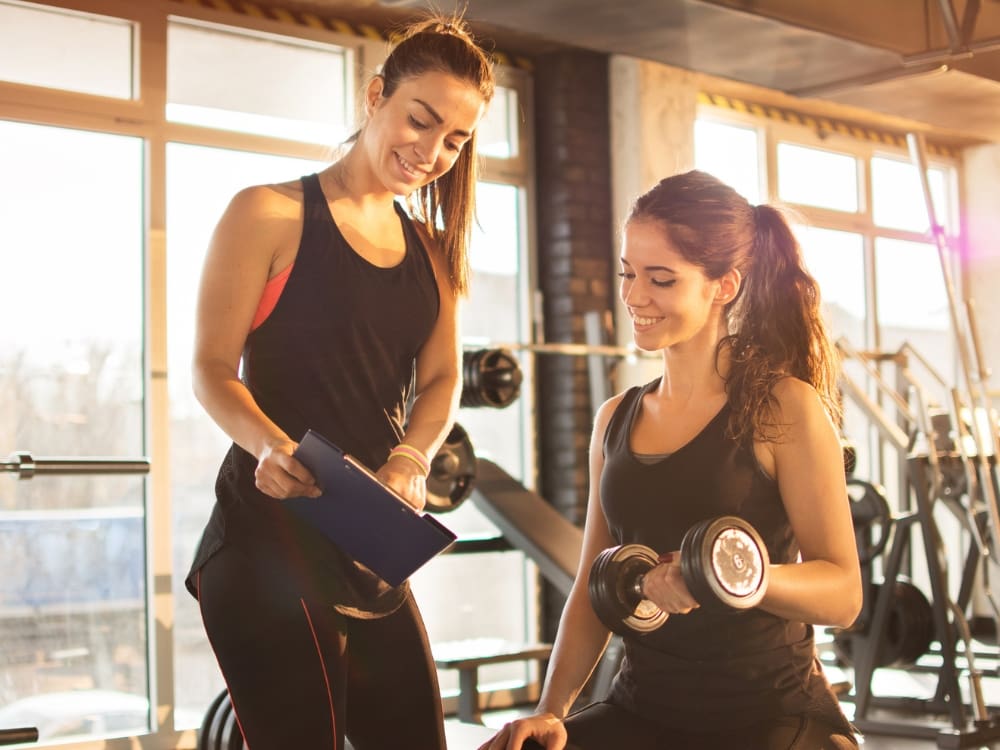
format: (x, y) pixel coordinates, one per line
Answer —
(322, 304)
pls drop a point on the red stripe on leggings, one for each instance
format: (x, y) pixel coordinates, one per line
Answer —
(319, 652)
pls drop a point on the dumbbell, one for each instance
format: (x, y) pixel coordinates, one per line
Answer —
(724, 563)
(453, 472)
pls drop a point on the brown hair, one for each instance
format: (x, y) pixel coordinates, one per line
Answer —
(775, 324)
(444, 44)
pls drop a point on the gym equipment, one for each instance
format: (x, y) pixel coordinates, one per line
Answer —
(869, 509)
(529, 523)
(850, 451)
(219, 729)
(946, 463)
(909, 630)
(26, 466)
(18, 735)
(615, 588)
(724, 563)
(490, 377)
(453, 472)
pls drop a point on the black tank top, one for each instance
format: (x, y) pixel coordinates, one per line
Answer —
(335, 355)
(707, 670)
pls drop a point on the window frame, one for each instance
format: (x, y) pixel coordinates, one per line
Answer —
(144, 116)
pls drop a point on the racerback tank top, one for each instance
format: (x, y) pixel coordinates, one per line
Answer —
(705, 669)
(336, 355)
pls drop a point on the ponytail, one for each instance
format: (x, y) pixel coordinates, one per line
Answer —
(775, 327)
(777, 330)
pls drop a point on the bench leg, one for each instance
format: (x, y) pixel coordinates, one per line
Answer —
(468, 695)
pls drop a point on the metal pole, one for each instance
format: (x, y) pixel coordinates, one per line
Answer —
(976, 393)
(26, 466)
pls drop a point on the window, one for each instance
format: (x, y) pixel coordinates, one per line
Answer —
(102, 242)
(257, 83)
(62, 49)
(816, 177)
(73, 596)
(898, 200)
(729, 152)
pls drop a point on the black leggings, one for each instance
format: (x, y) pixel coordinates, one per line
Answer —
(301, 675)
(600, 726)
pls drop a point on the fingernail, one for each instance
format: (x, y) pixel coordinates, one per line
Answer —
(666, 557)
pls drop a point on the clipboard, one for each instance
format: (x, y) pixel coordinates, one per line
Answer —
(363, 517)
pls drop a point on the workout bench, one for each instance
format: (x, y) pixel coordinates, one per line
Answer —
(468, 655)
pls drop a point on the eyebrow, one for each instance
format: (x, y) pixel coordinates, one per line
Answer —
(648, 269)
(440, 120)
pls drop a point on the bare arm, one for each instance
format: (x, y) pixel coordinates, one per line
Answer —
(582, 637)
(825, 588)
(241, 256)
(438, 389)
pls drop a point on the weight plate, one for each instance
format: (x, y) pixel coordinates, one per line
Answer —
(869, 512)
(612, 588)
(205, 741)
(453, 472)
(491, 377)
(725, 563)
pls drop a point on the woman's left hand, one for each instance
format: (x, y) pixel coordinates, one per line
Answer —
(406, 480)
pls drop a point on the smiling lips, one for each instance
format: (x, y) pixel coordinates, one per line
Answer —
(409, 168)
(642, 322)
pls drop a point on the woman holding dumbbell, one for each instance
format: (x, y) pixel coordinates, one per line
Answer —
(742, 422)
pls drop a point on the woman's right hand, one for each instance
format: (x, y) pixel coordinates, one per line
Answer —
(281, 476)
(546, 729)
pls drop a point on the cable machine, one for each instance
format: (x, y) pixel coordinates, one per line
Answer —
(950, 463)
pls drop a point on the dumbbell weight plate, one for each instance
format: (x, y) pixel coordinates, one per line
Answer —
(725, 563)
(453, 472)
(614, 593)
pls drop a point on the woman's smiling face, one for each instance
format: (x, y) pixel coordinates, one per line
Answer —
(669, 299)
(414, 136)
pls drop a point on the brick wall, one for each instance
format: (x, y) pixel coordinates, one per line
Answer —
(575, 236)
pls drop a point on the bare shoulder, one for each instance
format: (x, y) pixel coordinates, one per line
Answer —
(792, 393)
(799, 404)
(280, 200)
(604, 412)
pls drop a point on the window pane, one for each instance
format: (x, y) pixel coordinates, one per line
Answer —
(836, 260)
(799, 168)
(497, 134)
(494, 314)
(200, 183)
(913, 302)
(62, 49)
(71, 384)
(453, 583)
(271, 85)
(729, 152)
(898, 199)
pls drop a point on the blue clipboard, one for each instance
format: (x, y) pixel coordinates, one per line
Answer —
(363, 517)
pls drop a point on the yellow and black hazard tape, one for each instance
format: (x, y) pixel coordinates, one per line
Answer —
(316, 21)
(819, 124)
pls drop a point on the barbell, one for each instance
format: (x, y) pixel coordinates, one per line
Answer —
(724, 563)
